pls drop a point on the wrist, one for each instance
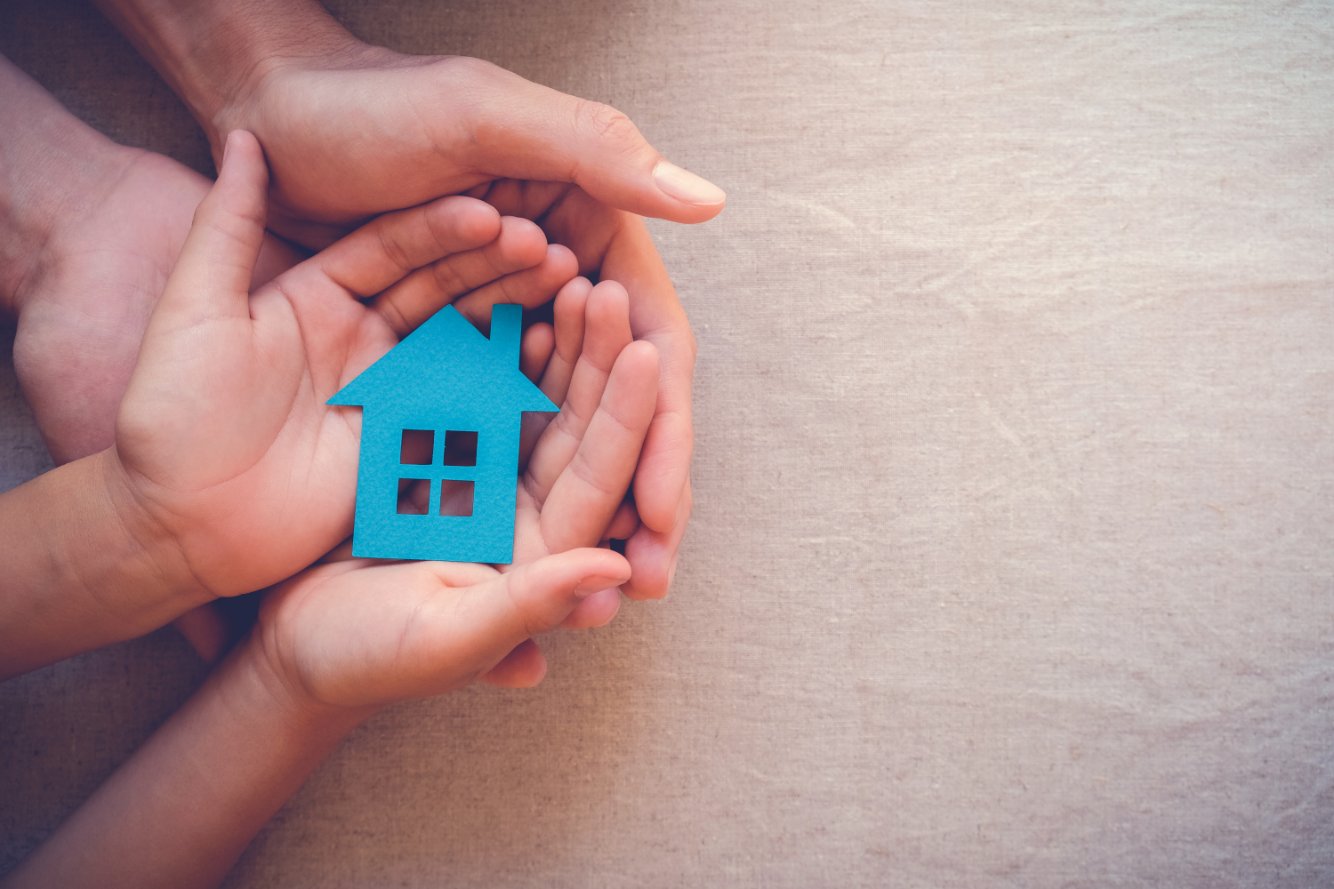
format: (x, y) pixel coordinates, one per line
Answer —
(150, 552)
(49, 161)
(184, 807)
(253, 49)
(215, 55)
(86, 569)
(264, 686)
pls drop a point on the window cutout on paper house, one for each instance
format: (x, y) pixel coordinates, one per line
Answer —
(416, 447)
(412, 497)
(456, 497)
(460, 448)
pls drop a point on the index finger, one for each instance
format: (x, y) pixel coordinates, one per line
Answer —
(388, 248)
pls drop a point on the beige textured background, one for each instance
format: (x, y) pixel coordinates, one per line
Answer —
(1011, 561)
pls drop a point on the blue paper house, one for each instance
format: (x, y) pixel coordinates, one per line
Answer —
(445, 383)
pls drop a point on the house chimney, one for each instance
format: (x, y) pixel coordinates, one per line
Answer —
(506, 332)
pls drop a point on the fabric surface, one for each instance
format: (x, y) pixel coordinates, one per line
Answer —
(1014, 477)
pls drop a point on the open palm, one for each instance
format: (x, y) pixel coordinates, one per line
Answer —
(354, 633)
(224, 437)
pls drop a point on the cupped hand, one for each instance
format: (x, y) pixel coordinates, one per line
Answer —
(358, 129)
(353, 633)
(225, 447)
(612, 244)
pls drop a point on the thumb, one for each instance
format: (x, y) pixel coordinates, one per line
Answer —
(523, 130)
(497, 616)
(213, 272)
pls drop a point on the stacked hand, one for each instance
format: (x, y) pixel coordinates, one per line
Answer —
(350, 131)
(229, 471)
(226, 455)
(394, 130)
(356, 634)
(225, 470)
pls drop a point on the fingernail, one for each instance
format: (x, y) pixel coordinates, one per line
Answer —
(685, 185)
(590, 585)
(671, 574)
(226, 148)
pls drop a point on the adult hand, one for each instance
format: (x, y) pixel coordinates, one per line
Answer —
(96, 228)
(361, 129)
(83, 311)
(352, 130)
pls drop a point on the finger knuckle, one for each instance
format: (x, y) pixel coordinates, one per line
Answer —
(529, 623)
(467, 69)
(468, 87)
(608, 123)
(392, 249)
(394, 315)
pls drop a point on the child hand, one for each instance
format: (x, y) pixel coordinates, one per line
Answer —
(227, 458)
(355, 634)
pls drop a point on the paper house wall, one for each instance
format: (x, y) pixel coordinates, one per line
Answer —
(445, 377)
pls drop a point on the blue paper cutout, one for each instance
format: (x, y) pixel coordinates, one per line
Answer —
(444, 377)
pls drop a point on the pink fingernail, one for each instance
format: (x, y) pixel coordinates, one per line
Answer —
(685, 185)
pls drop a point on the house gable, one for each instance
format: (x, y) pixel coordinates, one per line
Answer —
(447, 365)
(444, 376)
